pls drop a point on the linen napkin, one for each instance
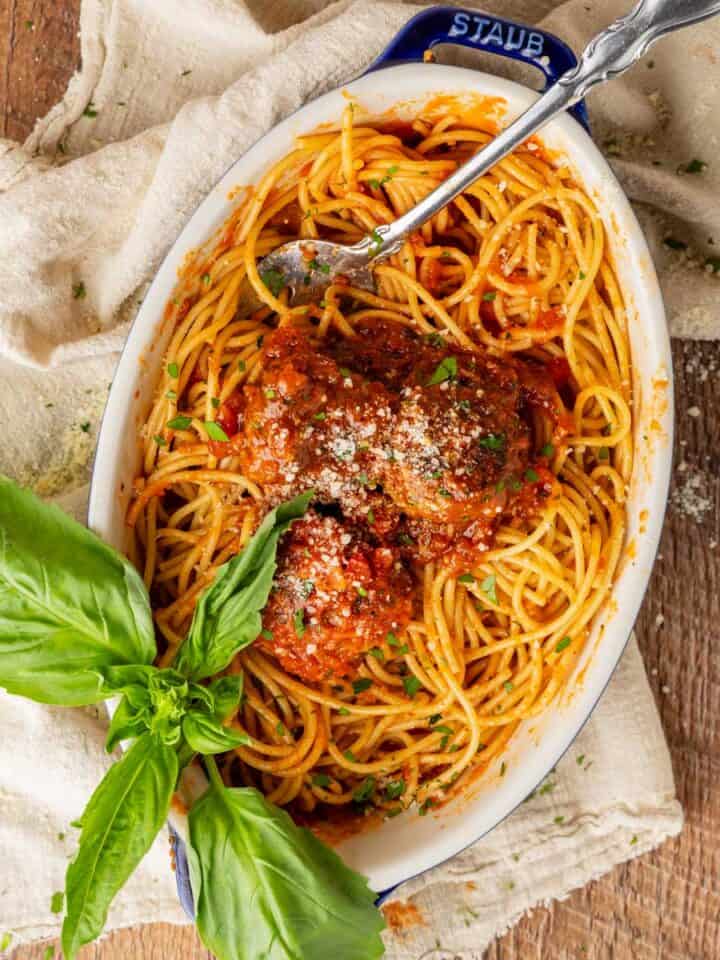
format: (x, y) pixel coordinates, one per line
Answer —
(168, 96)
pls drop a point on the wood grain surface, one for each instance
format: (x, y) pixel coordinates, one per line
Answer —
(662, 906)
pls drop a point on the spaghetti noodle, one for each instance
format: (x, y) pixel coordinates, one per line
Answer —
(495, 343)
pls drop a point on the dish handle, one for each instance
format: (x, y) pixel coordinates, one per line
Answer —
(481, 31)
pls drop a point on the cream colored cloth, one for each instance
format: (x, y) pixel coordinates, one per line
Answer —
(169, 95)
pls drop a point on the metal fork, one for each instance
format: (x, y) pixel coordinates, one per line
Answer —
(307, 267)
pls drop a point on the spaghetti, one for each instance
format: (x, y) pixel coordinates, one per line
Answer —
(466, 427)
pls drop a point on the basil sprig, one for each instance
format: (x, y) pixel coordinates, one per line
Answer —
(76, 628)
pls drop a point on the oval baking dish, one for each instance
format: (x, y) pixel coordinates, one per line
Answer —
(407, 845)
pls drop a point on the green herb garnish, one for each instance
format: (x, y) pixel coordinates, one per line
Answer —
(366, 789)
(78, 291)
(411, 685)
(274, 280)
(179, 423)
(488, 588)
(299, 622)
(215, 431)
(446, 370)
(493, 441)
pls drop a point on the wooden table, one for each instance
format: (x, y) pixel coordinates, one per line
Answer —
(667, 903)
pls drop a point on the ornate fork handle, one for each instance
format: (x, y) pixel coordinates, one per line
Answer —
(607, 55)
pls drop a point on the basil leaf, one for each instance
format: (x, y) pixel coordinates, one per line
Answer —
(266, 888)
(227, 617)
(69, 604)
(227, 692)
(127, 721)
(207, 736)
(119, 825)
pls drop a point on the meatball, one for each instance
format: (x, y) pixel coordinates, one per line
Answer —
(310, 423)
(335, 595)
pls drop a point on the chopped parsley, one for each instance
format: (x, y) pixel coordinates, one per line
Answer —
(280, 728)
(580, 759)
(434, 718)
(6, 941)
(299, 622)
(466, 578)
(344, 712)
(317, 265)
(321, 780)
(56, 901)
(490, 295)
(215, 431)
(79, 291)
(634, 840)
(446, 370)
(274, 280)
(376, 243)
(179, 423)
(321, 415)
(425, 807)
(548, 450)
(171, 395)
(435, 340)
(488, 588)
(85, 427)
(362, 592)
(713, 263)
(603, 453)
(394, 789)
(562, 644)
(160, 441)
(269, 393)
(375, 184)
(364, 683)
(508, 686)
(370, 517)
(345, 372)
(266, 634)
(90, 110)
(531, 475)
(366, 789)
(674, 244)
(362, 479)
(349, 755)
(411, 685)
(406, 540)
(503, 769)
(559, 819)
(376, 652)
(695, 166)
(493, 441)
(205, 279)
(173, 370)
(215, 401)
(241, 366)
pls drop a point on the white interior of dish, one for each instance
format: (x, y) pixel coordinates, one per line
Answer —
(407, 845)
